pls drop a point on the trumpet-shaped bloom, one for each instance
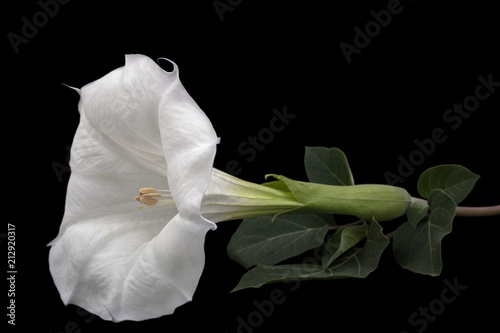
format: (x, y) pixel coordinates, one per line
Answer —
(139, 128)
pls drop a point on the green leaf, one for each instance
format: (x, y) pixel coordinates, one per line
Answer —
(262, 240)
(454, 180)
(360, 262)
(356, 262)
(265, 274)
(417, 212)
(327, 166)
(419, 249)
(343, 239)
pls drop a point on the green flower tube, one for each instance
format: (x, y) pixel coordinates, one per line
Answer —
(381, 202)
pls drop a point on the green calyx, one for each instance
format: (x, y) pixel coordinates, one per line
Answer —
(381, 202)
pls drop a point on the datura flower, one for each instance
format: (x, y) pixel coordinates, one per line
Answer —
(141, 133)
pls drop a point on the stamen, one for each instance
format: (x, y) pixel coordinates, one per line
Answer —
(148, 201)
(145, 190)
(148, 195)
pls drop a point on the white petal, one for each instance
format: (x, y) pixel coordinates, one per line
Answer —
(189, 142)
(129, 271)
(109, 162)
(111, 258)
(124, 106)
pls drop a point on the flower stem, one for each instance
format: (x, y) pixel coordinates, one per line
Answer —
(468, 211)
(478, 211)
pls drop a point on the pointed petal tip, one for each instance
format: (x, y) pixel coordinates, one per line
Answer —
(72, 88)
(53, 242)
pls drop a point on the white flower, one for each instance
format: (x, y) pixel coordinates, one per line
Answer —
(139, 128)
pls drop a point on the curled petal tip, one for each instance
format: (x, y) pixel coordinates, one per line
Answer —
(175, 68)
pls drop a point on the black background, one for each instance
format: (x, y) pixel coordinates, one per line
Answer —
(266, 55)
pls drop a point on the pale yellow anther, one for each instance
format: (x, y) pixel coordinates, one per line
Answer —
(148, 201)
(150, 195)
(146, 190)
